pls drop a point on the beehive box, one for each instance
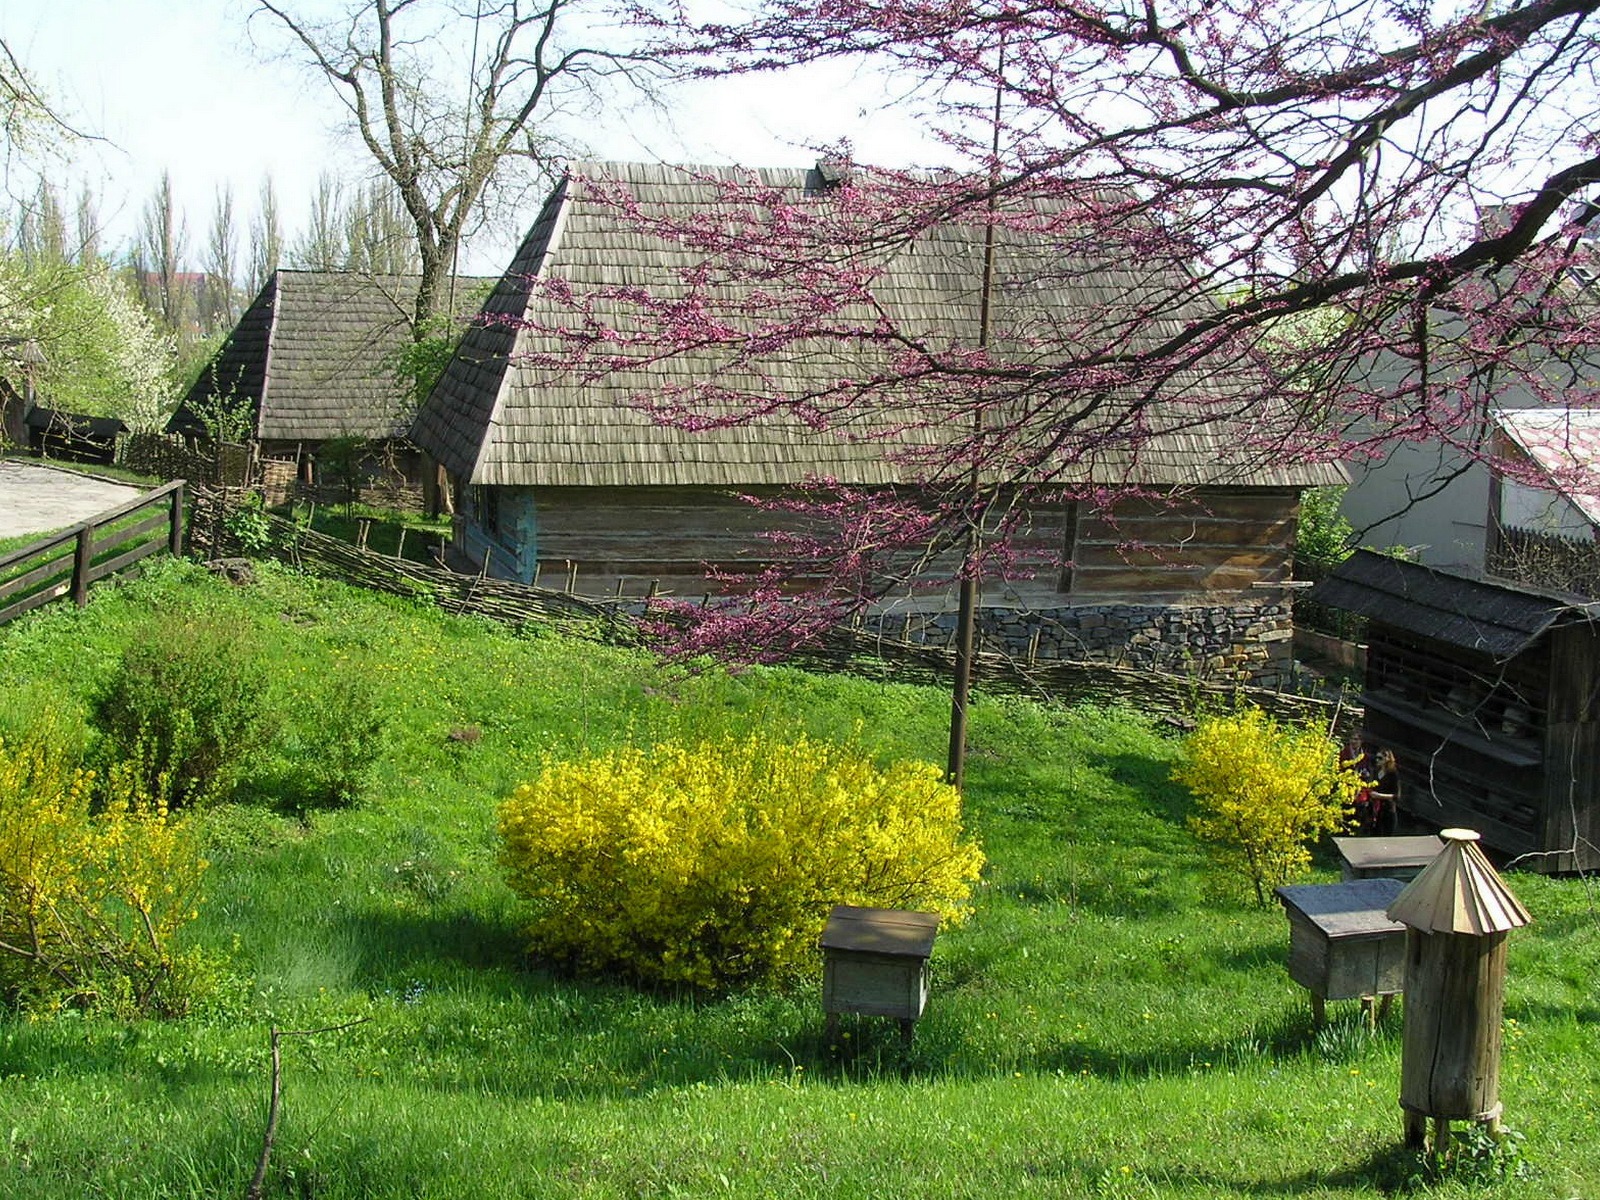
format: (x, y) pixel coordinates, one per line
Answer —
(1341, 943)
(1386, 857)
(875, 961)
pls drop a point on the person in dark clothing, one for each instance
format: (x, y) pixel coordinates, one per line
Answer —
(1378, 809)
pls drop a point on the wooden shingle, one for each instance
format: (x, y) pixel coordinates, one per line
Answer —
(315, 356)
(498, 417)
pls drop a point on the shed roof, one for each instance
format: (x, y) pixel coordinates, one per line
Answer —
(1497, 619)
(496, 417)
(316, 354)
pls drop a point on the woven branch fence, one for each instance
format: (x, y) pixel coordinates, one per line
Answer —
(214, 533)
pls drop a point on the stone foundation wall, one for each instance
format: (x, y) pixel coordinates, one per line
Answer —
(1248, 643)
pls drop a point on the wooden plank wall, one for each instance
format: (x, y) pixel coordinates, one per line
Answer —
(1209, 547)
(1572, 741)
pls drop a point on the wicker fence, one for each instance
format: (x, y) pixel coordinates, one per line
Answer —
(216, 531)
(1546, 561)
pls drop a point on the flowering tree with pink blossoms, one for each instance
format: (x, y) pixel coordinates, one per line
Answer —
(1301, 228)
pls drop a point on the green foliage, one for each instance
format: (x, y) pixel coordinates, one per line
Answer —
(96, 879)
(187, 703)
(247, 521)
(340, 465)
(1264, 791)
(225, 416)
(1325, 538)
(718, 864)
(340, 738)
(1475, 1159)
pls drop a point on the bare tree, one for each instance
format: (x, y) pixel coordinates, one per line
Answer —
(321, 246)
(42, 231)
(266, 238)
(88, 222)
(377, 233)
(220, 309)
(158, 258)
(449, 137)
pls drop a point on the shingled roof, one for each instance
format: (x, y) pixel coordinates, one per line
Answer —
(1500, 620)
(315, 356)
(498, 418)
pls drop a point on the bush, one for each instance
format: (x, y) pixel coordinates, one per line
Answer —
(718, 864)
(187, 704)
(92, 888)
(1265, 791)
(339, 741)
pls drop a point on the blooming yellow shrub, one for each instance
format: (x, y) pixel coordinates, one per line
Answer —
(1265, 791)
(718, 863)
(94, 884)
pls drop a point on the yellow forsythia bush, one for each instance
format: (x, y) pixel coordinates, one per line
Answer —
(718, 863)
(1264, 791)
(94, 884)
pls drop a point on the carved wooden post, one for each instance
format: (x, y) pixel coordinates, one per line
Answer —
(1457, 913)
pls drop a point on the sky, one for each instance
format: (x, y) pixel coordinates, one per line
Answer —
(194, 87)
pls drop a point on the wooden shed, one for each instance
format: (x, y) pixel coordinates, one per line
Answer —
(1489, 696)
(570, 470)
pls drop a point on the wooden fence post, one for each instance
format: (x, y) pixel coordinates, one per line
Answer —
(82, 556)
(175, 536)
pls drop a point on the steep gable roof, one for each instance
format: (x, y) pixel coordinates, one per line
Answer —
(315, 357)
(498, 417)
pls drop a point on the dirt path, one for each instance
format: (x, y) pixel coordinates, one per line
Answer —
(36, 499)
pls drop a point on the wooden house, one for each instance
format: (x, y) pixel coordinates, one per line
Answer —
(1486, 693)
(565, 473)
(316, 357)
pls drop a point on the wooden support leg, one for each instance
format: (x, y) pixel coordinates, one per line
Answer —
(1384, 1005)
(1441, 1138)
(1416, 1130)
(1319, 1011)
(908, 1030)
(1369, 1012)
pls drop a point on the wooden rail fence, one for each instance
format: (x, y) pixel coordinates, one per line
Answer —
(66, 563)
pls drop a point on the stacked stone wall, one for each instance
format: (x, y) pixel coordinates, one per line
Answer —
(1247, 643)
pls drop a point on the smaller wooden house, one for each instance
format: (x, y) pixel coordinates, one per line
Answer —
(1486, 692)
(316, 357)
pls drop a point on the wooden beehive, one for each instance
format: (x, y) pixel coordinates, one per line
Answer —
(875, 961)
(1457, 915)
(1386, 857)
(1341, 944)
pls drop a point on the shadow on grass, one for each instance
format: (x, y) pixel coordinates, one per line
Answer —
(402, 943)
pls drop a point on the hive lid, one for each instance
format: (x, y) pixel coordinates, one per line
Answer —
(889, 931)
(1459, 892)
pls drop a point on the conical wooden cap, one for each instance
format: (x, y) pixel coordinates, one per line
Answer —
(1459, 892)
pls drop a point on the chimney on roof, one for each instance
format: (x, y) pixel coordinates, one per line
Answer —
(832, 174)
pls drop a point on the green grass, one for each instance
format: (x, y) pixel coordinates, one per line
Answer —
(1115, 1021)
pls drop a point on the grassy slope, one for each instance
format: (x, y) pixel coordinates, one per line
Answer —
(1110, 1023)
